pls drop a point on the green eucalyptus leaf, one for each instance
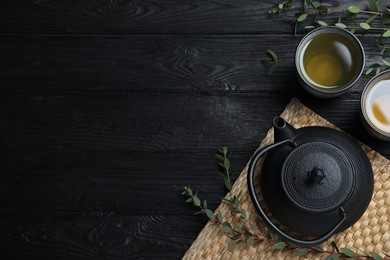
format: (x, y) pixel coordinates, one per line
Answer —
(310, 27)
(378, 69)
(199, 212)
(302, 18)
(226, 163)
(302, 252)
(332, 257)
(253, 228)
(373, 5)
(250, 241)
(371, 18)
(368, 71)
(272, 55)
(219, 217)
(209, 214)
(189, 191)
(196, 201)
(189, 200)
(317, 248)
(341, 25)
(232, 243)
(279, 245)
(226, 229)
(321, 23)
(225, 150)
(387, 63)
(236, 202)
(243, 213)
(205, 204)
(375, 256)
(353, 9)
(365, 26)
(348, 252)
(386, 33)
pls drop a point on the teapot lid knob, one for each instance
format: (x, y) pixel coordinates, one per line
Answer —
(317, 175)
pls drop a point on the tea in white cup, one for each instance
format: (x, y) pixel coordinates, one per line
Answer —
(375, 105)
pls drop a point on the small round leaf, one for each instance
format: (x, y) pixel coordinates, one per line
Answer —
(354, 9)
(341, 25)
(348, 252)
(375, 256)
(279, 245)
(321, 23)
(386, 34)
(249, 241)
(302, 252)
(302, 17)
(225, 229)
(209, 214)
(196, 201)
(387, 63)
(365, 26)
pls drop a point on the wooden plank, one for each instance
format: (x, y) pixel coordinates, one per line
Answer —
(86, 121)
(150, 16)
(134, 122)
(96, 235)
(222, 64)
(131, 183)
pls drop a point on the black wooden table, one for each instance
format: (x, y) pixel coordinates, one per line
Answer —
(109, 107)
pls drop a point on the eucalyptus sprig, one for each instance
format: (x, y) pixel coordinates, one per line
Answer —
(224, 163)
(239, 230)
(272, 62)
(352, 18)
(281, 7)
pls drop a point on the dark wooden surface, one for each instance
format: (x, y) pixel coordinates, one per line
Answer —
(109, 107)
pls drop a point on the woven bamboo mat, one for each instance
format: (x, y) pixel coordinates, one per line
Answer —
(370, 233)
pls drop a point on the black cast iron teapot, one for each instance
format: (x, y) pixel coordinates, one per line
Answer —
(316, 181)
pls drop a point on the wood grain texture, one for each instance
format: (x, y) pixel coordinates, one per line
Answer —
(145, 122)
(211, 64)
(131, 183)
(96, 235)
(146, 17)
(157, 16)
(109, 107)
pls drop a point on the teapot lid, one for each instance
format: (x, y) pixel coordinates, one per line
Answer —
(318, 176)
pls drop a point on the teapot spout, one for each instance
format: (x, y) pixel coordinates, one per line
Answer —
(282, 130)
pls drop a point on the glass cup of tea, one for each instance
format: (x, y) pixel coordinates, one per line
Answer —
(328, 61)
(375, 106)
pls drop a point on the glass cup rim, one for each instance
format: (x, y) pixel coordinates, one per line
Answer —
(328, 30)
(367, 88)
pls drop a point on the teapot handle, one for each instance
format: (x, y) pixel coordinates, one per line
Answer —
(251, 187)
